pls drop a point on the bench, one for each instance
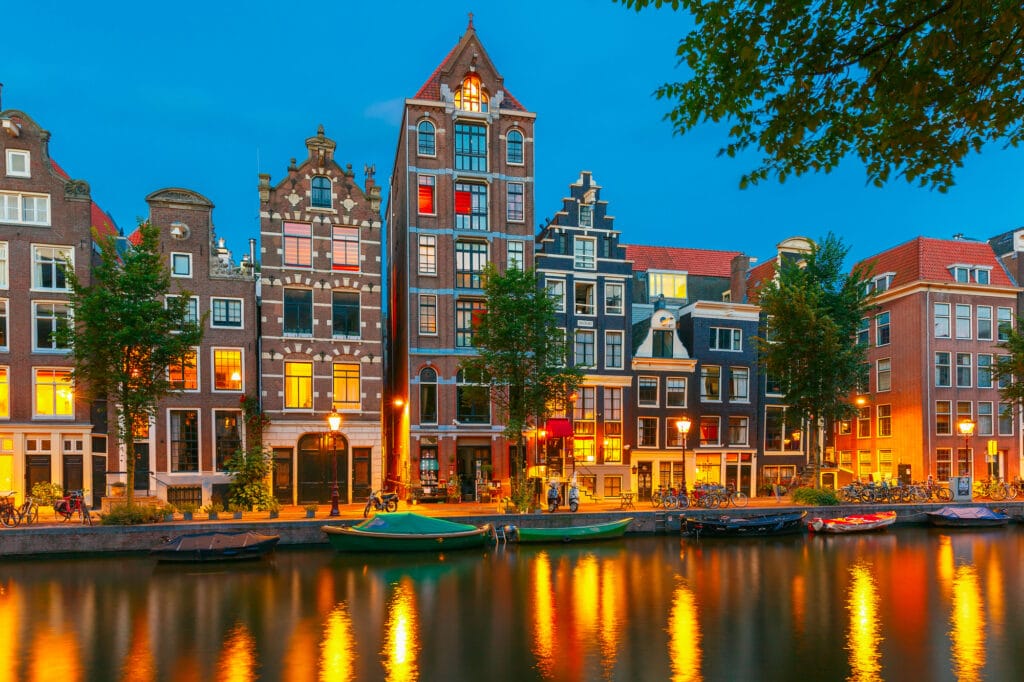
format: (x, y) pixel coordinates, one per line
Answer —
(626, 500)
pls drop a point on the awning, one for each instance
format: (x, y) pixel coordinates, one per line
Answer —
(558, 428)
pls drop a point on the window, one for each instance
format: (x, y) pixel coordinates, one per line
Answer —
(321, 194)
(981, 275)
(470, 206)
(942, 369)
(225, 312)
(191, 314)
(514, 147)
(584, 351)
(18, 163)
(470, 147)
(428, 396)
(227, 435)
(473, 403)
(881, 283)
(227, 369)
(613, 298)
(709, 430)
(738, 431)
(1004, 319)
(556, 290)
(1004, 379)
(943, 418)
(514, 204)
(345, 388)
(54, 393)
(298, 312)
(345, 314)
(985, 424)
(4, 278)
(28, 209)
(961, 274)
(583, 253)
(425, 145)
(298, 245)
(776, 438)
(181, 264)
(725, 338)
(675, 392)
(428, 313)
(845, 427)
(964, 410)
(662, 343)
(883, 374)
(345, 248)
(1005, 419)
(471, 96)
(739, 384)
(5, 393)
(984, 313)
(48, 264)
(470, 259)
(184, 374)
(585, 295)
(984, 370)
(3, 324)
(882, 329)
(428, 254)
(941, 320)
(516, 254)
(884, 416)
(427, 185)
(47, 319)
(647, 391)
(613, 350)
(864, 422)
(586, 215)
(647, 432)
(667, 284)
(466, 312)
(943, 463)
(963, 370)
(184, 440)
(864, 332)
(710, 383)
(298, 385)
(963, 321)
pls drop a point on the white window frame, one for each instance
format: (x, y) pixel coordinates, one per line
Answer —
(423, 298)
(4, 269)
(610, 309)
(199, 375)
(735, 342)
(968, 321)
(707, 397)
(5, 325)
(746, 430)
(241, 312)
(175, 257)
(586, 215)
(36, 346)
(520, 215)
(516, 254)
(23, 154)
(879, 372)
(991, 418)
(35, 399)
(213, 369)
(733, 397)
(609, 334)
(657, 391)
(5, 397)
(14, 208)
(426, 180)
(984, 312)
(581, 258)
(947, 316)
(193, 303)
(556, 290)
(426, 255)
(589, 307)
(522, 148)
(67, 253)
(668, 392)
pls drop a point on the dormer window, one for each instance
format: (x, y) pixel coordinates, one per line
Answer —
(970, 273)
(321, 194)
(880, 283)
(471, 96)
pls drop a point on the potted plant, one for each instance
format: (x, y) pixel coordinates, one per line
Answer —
(117, 489)
(311, 510)
(274, 507)
(187, 509)
(168, 511)
(236, 511)
(213, 510)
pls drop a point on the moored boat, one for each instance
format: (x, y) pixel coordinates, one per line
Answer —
(199, 547)
(781, 523)
(854, 523)
(967, 517)
(597, 531)
(407, 532)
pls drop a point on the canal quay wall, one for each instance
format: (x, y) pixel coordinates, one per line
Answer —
(73, 538)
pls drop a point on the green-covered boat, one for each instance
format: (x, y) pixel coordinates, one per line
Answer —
(407, 532)
(598, 531)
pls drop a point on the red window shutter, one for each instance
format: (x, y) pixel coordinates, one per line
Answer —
(463, 203)
(426, 199)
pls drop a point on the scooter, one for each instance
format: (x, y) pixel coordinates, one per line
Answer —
(381, 501)
(574, 497)
(553, 497)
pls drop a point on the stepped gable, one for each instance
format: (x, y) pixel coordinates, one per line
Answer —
(678, 259)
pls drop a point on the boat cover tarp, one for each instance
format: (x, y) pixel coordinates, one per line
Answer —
(969, 513)
(402, 523)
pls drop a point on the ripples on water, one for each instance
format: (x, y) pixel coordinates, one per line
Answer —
(908, 604)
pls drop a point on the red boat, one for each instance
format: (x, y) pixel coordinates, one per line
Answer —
(854, 523)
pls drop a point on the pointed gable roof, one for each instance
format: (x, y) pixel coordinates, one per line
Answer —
(677, 259)
(925, 259)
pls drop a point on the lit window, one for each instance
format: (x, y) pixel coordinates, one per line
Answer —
(298, 244)
(884, 421)
(943, 418)
(320, 196)
(227, 369)
(48, 318)
(184, 440)
(428, 254)
(669, 285)
(5, 393)
(184, 375)
(427, 193)
(864, 422)
(346, 386)
(226, 312)
(29, 209)
(514, 206)
(298, 312)
(516, 254)
(584, 253)
(298, 385)
(428, 313)
(514, 147)
(613, 298)
(181, 264)
(48, 267)
(471, 96)
(18, 165)
(425, 145)
(345, 248)
(470, 206)
(345, 314)
(54, 393)
(470, 147)
(227, 435)
(3, 324)
(710, 433)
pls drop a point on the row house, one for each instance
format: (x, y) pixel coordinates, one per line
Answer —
(320, 327)
(46, 428)
(461, 197)
(931, 406)
(584, 269)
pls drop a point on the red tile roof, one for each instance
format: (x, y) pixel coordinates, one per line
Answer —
(431, 90)
(925, 259)
(676, 259)
(135, 238)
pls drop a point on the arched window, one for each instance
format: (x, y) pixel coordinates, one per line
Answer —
(428, 396)
(425, 139)
(321, 197)
(514, 147)
(471, 96)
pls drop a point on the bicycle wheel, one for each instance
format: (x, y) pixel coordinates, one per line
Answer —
(1011, 492)
(997, 491)
(86, 516)
(683, 501)
(8, 516)
(943, 494)
(671, 501)
(655, 499)
(739, 499)
(32, 516)
(366, 509)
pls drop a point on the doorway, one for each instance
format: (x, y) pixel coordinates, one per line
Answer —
(320, 457)
(739, 471)
(644, 480)
(282, 475)
(467, 457)
(142, 467)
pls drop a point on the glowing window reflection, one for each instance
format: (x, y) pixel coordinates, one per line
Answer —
(967, 620)
(401, 642)
(684, 636)
(863, 638)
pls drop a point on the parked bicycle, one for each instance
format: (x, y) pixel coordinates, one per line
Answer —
(73, 503)
(11, 515)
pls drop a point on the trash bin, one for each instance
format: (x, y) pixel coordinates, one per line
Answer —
(960, 487)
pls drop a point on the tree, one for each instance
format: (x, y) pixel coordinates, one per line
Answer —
(812, 313)
(1009, 368)
(127, 332)
(521, 354)
(908, 86)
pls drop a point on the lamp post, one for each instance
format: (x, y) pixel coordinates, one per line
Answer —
(966, 427)
(571, 450)
(396, 450)
(683, 424)
(334, 421)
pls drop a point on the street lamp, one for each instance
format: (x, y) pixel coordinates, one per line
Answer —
(683, 424)
(571, 450)
(334, 421)
(966, 428)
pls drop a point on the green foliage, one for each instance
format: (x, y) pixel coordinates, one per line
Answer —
(522, 493)
(46, 493)
(1009, 370)
(127, 332)
(250, 477)
(214, 508)
(188, 507)
(910, 87)
(131, 515)
(815, 497)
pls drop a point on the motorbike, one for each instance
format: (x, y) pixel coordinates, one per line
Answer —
(554, 499)
(574, 497)
(381, 501)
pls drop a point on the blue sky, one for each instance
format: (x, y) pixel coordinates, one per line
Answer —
(206, 95)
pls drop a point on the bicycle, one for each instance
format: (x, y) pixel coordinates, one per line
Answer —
(27, 511)
(71, 504)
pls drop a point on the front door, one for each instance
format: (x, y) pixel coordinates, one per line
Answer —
(468, 456)
(73, 473)
(99, 479)
(321, 458)
(142, 467)
(282, 476)
(644, 480)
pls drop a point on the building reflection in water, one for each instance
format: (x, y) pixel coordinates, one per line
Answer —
(338, 649)
(967, 625)
(401, 635)
(238, 656)
(863, 638)
(543, 614)
(684, 638)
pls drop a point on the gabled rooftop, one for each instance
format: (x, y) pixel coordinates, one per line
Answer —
(925, 259)
(704, 262)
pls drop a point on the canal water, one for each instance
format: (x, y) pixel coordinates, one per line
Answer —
(907, 604)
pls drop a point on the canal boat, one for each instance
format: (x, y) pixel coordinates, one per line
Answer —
(854, 523)
(200, 547)
(597, 531)
(967, 517)
(407, 532)
(754, 525)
